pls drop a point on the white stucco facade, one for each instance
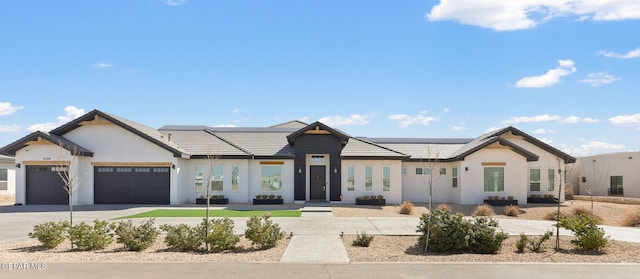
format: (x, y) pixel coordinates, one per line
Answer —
(596, 172)
(392, 196)
(7, 196)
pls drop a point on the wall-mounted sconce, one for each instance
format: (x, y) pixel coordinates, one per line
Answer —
(18, 165)
(630, 157)
(335, 170)
(173, 166)
(299, 169)
(466, 168)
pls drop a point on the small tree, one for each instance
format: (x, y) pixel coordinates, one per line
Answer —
(433, 165)
(208, 183)
(70, 172)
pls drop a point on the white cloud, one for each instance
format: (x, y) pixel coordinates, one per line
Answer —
(598, 79)
(493, 129)
(532, 119)
(354, 119)
(458, 128)
(565, 67)
(8, 108)
(304, 119)
(547, 141)
(236, 110)
(407, 120)
(445, 109)
(102, 65)
(575, 119)
(631, 54)
(176, 2)
(504, 15)
(543, 131)
(594, 147)
(224, 125)
(9, 129)
(626, 120)
(70, 113)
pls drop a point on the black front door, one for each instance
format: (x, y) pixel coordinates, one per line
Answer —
(318, 185)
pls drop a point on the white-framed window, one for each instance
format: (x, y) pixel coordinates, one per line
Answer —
(426, 171)
(235, 178)
(271, 178)
(404, 171)
(199, 179)
(368, 178)
(351, 179)
(454, 177)
(386, 178)
(551, 178)
(418, 171)
(217, 178)
(443, 171)
(494, 179)
(534, 180)
(4, 179)
(317, 159)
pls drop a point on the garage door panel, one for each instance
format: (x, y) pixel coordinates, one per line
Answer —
(44, 186)
(131, 185)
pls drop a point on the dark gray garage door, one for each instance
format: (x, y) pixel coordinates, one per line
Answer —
(131, 185)
(44, 186)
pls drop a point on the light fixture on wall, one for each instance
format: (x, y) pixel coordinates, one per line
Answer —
(299, 169)
(466, 168)
(173, 166)
(18, 165)
(335, 169)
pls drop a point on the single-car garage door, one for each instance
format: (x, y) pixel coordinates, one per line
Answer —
(44, 186)
(131, 185)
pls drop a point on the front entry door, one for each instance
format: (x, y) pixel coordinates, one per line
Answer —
(318, 185)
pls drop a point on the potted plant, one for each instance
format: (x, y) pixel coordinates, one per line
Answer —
(268, 199)
(371, 200)
(215, 199)
(501, 201)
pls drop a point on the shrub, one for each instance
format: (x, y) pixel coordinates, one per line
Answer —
(86, 237)
(632, 218)
(136, 238)
(263, 232)
(183, 237)
(537, 244)
(363, 239)
(588, 235)
(522, 243)
(444, 206)
(448, 232)
(406, 208)
(484, 238)
(577, 211)
(484, 210)
(221, 235)
(512, 210)
(50, 234)
(553, 215)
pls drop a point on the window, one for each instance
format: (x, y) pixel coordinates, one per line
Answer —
(551, 177)
(160, 169)
(534, 180)
(351, 179)
(217, 178)
(271, 178)
(105, 169)
(143, 169)
(494, 179)
(199, 179)
(418, 170)
(317, 159)
(404, 171)
(454, 177)
(386, 178)
(235, 178)
(368, 178)
(124, 170)
(616, 186)
(443, 171)
(4, 179)
(426, 171)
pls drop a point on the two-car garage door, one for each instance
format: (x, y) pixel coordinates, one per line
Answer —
(131, 185)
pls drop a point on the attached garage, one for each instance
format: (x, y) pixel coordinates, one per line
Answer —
(44, 186)
(131, 185)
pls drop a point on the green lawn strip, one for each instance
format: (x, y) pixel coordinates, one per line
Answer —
(212, 213)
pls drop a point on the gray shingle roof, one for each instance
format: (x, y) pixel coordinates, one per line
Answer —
(202, 143)
(295, 124)
(259, 143)
(360, 148)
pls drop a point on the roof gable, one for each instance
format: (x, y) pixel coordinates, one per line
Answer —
(318, 128)
(482, 143)
(544, 146)
(42, 137)
(145, 132)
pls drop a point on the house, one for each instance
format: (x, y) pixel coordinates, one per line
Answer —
(118, 161)
(611, 174)
(7, 180)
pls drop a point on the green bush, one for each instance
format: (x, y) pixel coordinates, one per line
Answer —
(136, 238)
(362, 239)
(263, 232)
(183, 237)
(221, 235)
(87, 237)
(449, 231)
(50, 234)
(484, 238)
(522, 243)
(588, 235)
(537, 244)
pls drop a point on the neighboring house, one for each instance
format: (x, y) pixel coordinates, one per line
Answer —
(7, 180)
(119, 161)
(611, 174)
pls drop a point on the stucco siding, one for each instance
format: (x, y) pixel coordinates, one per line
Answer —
(393, 196)
(415, 187)
(596, 171)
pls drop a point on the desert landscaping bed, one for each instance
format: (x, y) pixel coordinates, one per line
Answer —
(405, 249)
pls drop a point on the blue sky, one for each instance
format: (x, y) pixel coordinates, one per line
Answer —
(565, 71)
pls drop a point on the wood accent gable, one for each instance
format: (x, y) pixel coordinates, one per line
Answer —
(317, 131)
(39, 141)
(97, 120)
